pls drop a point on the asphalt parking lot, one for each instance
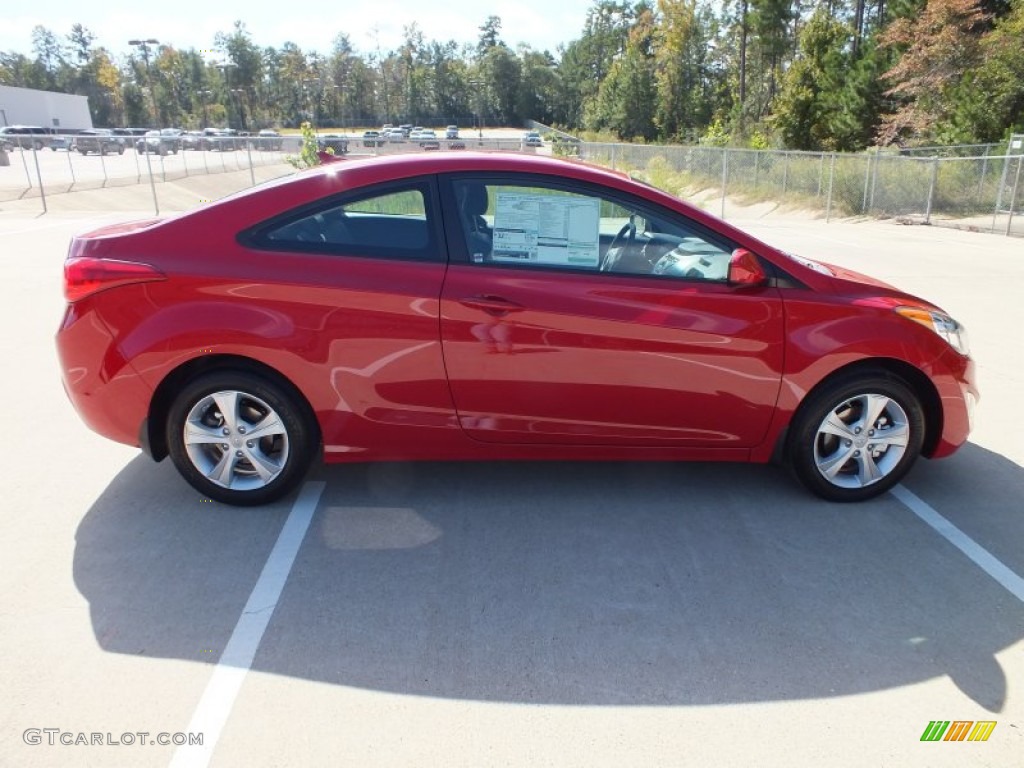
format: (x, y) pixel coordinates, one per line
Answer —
(520, 614)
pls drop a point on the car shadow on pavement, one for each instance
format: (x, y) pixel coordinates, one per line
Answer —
(566, 583)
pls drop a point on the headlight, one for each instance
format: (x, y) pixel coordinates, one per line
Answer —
(944, 325)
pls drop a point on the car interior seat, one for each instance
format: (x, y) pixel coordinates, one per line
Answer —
(472, 200)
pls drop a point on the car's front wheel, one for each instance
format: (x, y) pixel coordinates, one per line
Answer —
(239, 438)
(856, 437)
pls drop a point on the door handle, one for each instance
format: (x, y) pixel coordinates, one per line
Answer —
(492, 305)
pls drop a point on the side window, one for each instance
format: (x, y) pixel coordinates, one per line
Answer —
(541, 226)
(391, 223)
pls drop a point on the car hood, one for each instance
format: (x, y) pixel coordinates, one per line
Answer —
(842, 279)
(850, 276)
(850, 282)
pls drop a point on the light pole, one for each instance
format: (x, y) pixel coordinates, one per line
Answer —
(241, 105)
(311, 86)
(478, 85)
(226, 67)
(143, 46)
(203, 93)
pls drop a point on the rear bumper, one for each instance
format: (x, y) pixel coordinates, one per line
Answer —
(109, 396)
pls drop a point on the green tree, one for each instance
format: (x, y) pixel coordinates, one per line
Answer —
(539, 86)
(586, 62)
(683, 74)
(490, 35)
(50, 56)
(244, 72)
(939, 47)
(502, 75)
(627, 97)
(806, 112)
(989, 100)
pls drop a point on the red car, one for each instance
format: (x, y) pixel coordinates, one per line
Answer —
(494, 306)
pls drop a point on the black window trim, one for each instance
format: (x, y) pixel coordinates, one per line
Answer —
(255, 237)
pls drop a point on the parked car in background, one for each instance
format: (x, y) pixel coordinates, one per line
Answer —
(171, 137)
(99, 140)
(267, 140)
(160, 142)
(428, 139)
(26, 136)
(333, 141)
(373, 139)
(194, 140)
(418, 307)
(451, 132)
(225, 140)
(127, 134)
(60, 142)
(532, 139)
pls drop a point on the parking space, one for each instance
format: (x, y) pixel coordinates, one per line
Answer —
(515, 613)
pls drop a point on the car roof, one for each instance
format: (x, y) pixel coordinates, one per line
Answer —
(313, 183)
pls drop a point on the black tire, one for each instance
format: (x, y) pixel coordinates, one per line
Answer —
(120, 150)
(873, 435)
(250, 471)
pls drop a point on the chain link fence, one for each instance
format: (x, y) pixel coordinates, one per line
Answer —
(983, 192)
(36, 174)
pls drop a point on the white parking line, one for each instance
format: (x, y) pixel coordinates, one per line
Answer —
(984, 559)
(219, 696)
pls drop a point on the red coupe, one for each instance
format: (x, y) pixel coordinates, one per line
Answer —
(494, 306)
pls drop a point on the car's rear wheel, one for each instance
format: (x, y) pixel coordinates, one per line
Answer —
(856, 437)
(239, 438)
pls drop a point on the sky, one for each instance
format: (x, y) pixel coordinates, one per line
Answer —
(542, 24)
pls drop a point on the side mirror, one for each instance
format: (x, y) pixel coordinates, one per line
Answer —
(745, 269)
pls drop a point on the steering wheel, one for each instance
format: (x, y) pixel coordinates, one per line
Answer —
(627, 234)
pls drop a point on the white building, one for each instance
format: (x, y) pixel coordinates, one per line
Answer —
(56, 111)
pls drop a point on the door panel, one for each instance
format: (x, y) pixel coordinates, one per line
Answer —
(542, 356)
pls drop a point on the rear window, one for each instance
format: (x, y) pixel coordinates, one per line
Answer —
(391, 223)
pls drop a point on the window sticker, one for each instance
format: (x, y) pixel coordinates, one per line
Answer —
(550, 230)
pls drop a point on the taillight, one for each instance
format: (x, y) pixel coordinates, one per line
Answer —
(84, 276)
